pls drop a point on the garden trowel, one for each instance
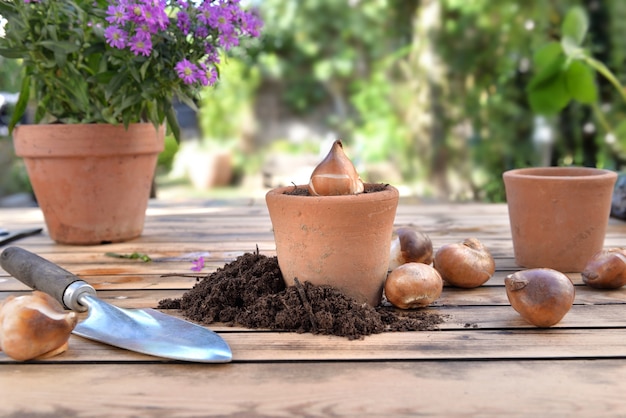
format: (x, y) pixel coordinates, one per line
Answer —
(146, 331)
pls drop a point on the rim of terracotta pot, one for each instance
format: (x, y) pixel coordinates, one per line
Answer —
(561, 173)
(389, 192)
(27, 139)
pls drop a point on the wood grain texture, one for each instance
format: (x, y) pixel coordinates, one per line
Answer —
(582, 388)
(484, 359)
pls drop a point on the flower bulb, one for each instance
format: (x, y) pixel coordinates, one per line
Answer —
(34, 326)
(335, 175)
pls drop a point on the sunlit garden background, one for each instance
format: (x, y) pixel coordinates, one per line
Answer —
(430, 96)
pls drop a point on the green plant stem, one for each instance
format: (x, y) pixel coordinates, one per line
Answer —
(600, 116)
(602, 69)
(607, 128)
(606, 73)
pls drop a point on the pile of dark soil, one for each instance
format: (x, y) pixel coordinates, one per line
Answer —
(250, 292)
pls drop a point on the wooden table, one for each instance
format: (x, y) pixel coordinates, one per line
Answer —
(484, 361)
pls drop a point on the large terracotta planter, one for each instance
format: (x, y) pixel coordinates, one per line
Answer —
(92, 181)
(342, 241)
(558, 215)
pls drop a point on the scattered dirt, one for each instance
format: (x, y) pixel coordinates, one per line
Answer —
(250, 292)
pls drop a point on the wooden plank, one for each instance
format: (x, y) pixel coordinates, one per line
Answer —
(471, 344)
(212, 228)
(400, 389)
(441, 345)
(496, 295)
(145, 293)
(454, 317)
(485, 357)
(122, 274)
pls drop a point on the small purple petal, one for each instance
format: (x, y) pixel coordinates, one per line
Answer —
(198, 264)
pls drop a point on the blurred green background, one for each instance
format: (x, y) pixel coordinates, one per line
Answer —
(428, 95)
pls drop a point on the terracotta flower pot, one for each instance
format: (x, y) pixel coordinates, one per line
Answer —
(342, 241)
(558, 215)
(92, 181)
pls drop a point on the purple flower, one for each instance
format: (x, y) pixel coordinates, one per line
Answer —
(202, 32)
(143, 31)
(222, 20)
(251, 24)
(115, 14)
(186, 71)
(205, 76)
(183, 22)
(160, 19)
(176, 43)
(229, 40)
(198, 264)
(140, 44)
(208, 14)
(135, 13)
(202, 74)
(115, 37)
(212, 76)
(152, 20)
(212, 55)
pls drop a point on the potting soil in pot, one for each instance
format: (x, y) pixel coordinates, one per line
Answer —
(250, 292)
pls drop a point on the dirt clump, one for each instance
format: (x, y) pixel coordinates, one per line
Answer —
(368, 188)
(250, 292)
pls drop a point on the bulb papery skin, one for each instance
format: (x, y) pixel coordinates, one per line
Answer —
(466, 264)
(606, 269)
(413, 285)
(542, 296)
(395, 255)
(34, 326)
(335, 175)
(410, 246)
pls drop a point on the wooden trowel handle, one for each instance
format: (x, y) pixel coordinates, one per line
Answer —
(39, 273)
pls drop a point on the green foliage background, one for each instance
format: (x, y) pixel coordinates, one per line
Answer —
(448, 91)
(440, 87)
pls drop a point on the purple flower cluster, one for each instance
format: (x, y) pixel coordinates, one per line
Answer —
(195, 31)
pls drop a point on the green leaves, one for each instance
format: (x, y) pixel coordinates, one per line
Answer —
(548, 61)
(580, 83)
(73, 74)
(134, 256)
(547, 89)
(563, 70)
(22, 102)
(12, 53)
(575, 26)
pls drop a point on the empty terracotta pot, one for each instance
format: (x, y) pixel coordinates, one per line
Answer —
(558, 215)
(92, 181)
(342, 241)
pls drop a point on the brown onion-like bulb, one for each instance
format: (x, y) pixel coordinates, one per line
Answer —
(335, 175)
(606, 269)
(541, 296)
(410, 246)
(465, 264)
(413, 285)
(34, 326)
